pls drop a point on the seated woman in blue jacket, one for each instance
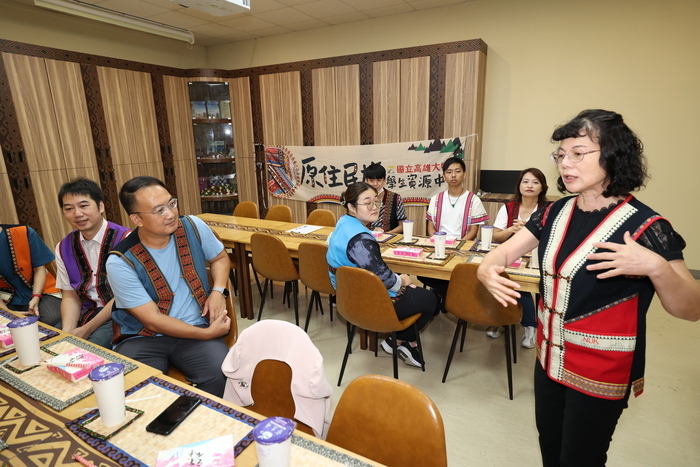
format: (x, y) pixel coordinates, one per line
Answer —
(352, 244)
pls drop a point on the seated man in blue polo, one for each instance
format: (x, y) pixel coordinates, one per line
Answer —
(166, 312)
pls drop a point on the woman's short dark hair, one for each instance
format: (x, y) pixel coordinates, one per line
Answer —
(81, 186)
(621, 151)
(353, 192)
(542, 198)
(126, 194)
(453, 160)
(375, 171)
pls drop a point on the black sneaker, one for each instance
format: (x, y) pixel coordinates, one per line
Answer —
(387, 345)
(409, 354)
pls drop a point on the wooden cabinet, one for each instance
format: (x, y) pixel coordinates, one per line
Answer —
(212, 133)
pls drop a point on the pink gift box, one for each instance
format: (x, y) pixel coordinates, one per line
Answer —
(84, 361)
(407, 251)
(5, 337)
(377, 234)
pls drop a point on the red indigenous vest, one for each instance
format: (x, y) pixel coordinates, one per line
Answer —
(591, 332)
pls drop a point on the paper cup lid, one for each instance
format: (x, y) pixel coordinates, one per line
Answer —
(486, 227)
(440, 233)
(408, 220)
(106, 371)
(21, 322)
(273, 430)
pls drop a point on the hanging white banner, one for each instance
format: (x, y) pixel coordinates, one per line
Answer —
(320, 174)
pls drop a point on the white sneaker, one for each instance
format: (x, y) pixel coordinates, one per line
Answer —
(529, 337)
(494, 331)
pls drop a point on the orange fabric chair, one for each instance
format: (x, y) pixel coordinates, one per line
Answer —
(470, 302)
(322, 217)
(272, 260)
(246, 209)
(313, 272)
(364, 302)
(390, 422)
(279, 212)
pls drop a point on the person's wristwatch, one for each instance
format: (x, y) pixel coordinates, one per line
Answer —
(221, 290)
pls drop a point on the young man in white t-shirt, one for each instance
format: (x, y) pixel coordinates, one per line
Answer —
(455, 211)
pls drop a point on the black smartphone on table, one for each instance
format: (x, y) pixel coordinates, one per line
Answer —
(170, 418)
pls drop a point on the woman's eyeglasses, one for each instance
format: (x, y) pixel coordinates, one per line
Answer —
(373, 204)
(575, 155)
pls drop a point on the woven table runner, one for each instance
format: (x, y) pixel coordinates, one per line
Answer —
(44, 333)
(37, 436)
(134, 446)
(425, 257)
(276, 232)
(51, 388)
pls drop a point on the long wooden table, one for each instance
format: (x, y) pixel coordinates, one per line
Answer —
(35, 433)
(235, 232)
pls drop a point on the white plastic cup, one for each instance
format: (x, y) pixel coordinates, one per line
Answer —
(534, 259)
(408, 231)
(486, 237)
(440, 238)
(273, 441)
(108, 384)
(25, 335)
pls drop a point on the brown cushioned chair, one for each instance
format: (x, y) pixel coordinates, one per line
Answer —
(364, 302)
(272, 260)
(471, 302)
(390, 422)
(313, 272)
(271, 391)
(229, 338)
(322, 217)
(279, 212)
(246, 209)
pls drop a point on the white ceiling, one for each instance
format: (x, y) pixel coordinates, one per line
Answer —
(266, 17)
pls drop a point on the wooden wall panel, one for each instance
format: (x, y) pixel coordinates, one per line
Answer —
(336, 103)
(415, 98)
(87, 172)
(282, 123)
(464, 107)
(387, 87)
(124, 173)
(31, 93)
(187, 182)
(179, 117)
(46, 184)
(8, 214)
(243, 140)
(71, 113)
(143, 123)
(115, 98)
(324, 107)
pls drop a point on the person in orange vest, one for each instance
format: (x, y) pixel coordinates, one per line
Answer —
(25, 284)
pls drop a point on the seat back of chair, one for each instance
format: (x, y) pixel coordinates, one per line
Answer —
(271, 390)
(363, 300)
(246, 209)
(323, 217)
(390, 422)
(313, 268)
(468, 299)
(279, 212)
(271, 258)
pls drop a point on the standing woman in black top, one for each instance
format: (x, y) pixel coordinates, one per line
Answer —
(603, 254)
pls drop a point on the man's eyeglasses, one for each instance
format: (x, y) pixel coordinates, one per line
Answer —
(373, 204)
(162, 210)
(575, 155)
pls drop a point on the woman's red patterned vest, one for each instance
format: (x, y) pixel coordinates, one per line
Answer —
(591, 332)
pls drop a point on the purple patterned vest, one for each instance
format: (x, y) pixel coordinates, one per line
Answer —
(80, 272)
